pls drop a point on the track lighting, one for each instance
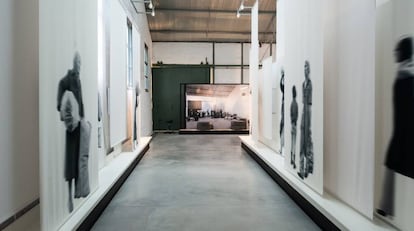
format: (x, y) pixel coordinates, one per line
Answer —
(242, 9)
(150, 7)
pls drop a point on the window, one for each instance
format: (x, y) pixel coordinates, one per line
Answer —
(130, 75)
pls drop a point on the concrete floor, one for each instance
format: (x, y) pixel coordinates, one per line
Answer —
(197, 183)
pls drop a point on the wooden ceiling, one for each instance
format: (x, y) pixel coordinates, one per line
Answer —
(208, 21)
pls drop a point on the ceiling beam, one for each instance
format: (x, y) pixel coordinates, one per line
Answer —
(209, 32)
(217, 11)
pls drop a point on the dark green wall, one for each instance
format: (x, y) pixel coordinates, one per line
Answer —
(168, 93)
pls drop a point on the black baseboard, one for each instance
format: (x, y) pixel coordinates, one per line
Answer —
(321, 220)
(100, 207)
(18, 214)
(213, 132)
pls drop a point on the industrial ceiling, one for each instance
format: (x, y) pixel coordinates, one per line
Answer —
(208, 20)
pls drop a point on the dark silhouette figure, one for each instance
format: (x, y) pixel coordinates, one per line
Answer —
(135, 113)
(400, 154)
(282, 116)
(306, 145)
(293, 121)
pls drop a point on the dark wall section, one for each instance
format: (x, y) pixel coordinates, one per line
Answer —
(169, 93)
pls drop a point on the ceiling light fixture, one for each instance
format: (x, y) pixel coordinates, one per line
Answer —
(150, 6)
(243, 9)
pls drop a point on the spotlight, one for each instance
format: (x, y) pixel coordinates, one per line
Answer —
(153, 13)
(150, 5)
(242, 6)
(238, 14)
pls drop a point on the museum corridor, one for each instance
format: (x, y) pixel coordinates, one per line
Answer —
(202, 182)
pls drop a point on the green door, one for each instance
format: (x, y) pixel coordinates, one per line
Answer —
(168, 94)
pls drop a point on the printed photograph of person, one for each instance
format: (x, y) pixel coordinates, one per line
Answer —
(293, 121)
(100, 132)
(135, 114)
(70, 106)
(400, 154)
(282, 115)
(306, 144)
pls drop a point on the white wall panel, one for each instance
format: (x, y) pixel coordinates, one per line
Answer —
(145, 97)
(273, 101)
(349, 111)
(265, 92)
(254, 72)
(261, 123)
(136, 36)
(61, 34)
(118, 65)
(19, 99)
(304, 42)
(182, 53)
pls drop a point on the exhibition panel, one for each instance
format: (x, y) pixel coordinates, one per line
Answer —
(118, 63)
(254, 72)
(103, 78)
(218, 107)
(68, 87)
(270, 101)
(349, 102)
(395, 112)
(328, 104)
(303, 84)
(138, 46)
(265, 88)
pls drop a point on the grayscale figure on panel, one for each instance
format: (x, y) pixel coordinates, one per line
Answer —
(400, 154)
(135, 113)
(282, 115)
(306, 144)
(70, 106)
(100, 135)
(293, 121)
